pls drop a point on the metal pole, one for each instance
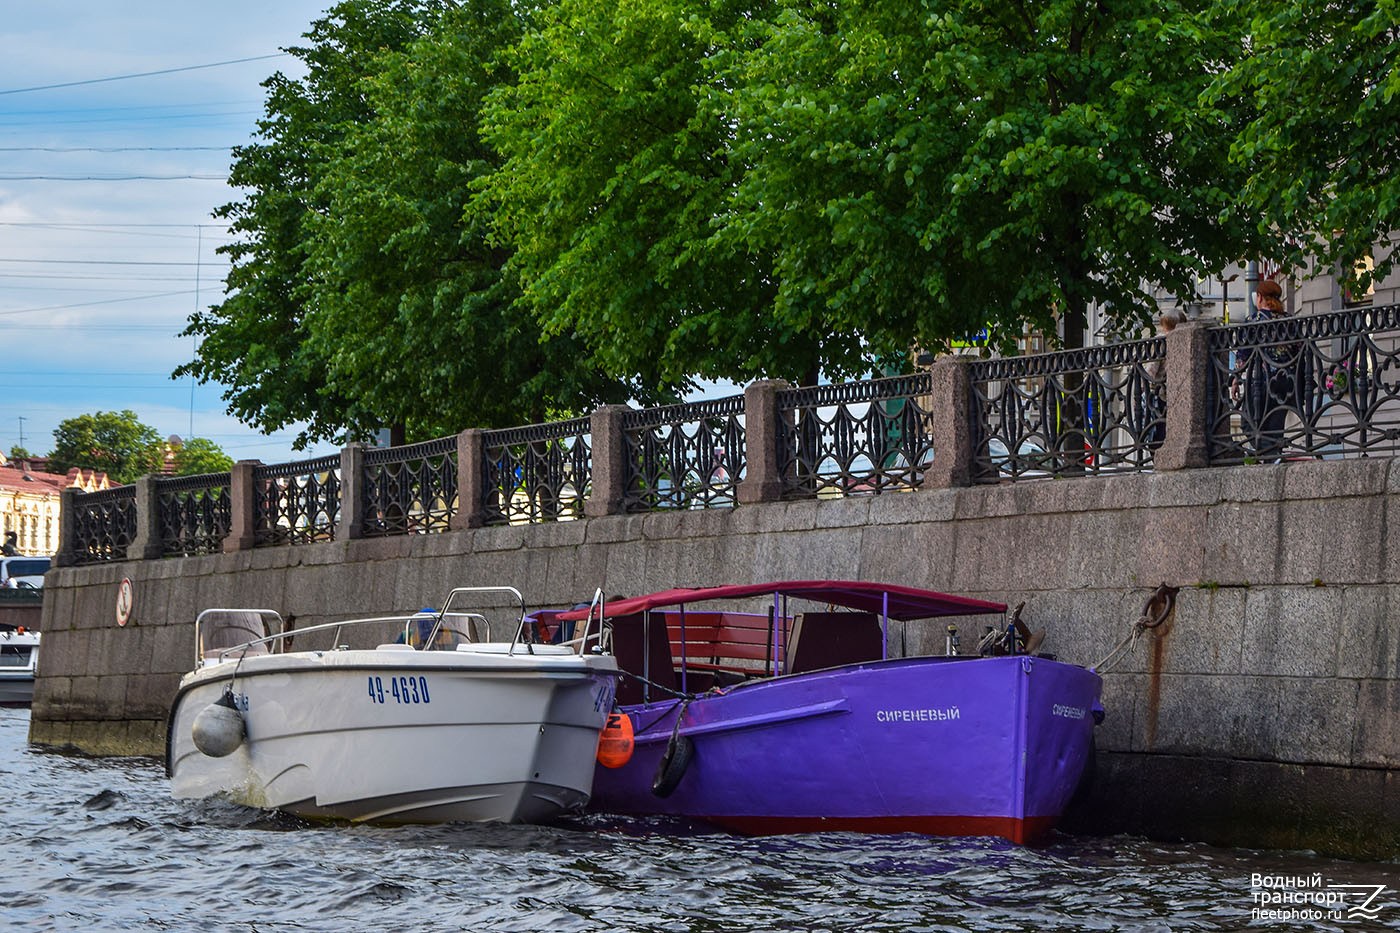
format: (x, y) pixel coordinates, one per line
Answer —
(885, 627)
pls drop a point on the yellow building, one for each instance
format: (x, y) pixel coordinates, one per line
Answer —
(29, 501)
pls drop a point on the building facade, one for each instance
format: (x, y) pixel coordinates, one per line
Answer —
(29, 502)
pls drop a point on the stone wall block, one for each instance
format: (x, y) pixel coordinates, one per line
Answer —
(67, 527)
(1369, 638)
(951, 409)
(1377, 720)
(146, 545)
(762, 480)
(935, 505)
(1319, 542)
(242, 499)
(1170, 547)
(471, 480)
(353, 504)
(1187, 366)
(1204, 714)
(1241, 544)
(610, 466)
(1291, 631)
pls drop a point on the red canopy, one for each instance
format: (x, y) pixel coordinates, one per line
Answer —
(905, 602)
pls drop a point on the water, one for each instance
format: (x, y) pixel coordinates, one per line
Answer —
(97, 844)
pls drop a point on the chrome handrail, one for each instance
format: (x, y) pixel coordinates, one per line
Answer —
(278, 636)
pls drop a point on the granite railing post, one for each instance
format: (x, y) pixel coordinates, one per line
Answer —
(146, 545)
(609, 446)
(763, 482)
(471, 480)
(243, 507)
(67, 527)
(1185, 443)
(950, 406)
(352, 497)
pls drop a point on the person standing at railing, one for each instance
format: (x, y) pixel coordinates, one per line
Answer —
(10, 548)
(1271, 373)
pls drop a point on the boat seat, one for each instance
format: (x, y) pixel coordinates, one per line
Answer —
(644, 652)
(831, 639)
(222, 630)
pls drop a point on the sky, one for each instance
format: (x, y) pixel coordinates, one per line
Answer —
(107, 189)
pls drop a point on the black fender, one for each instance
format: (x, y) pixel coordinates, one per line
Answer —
(680, 751)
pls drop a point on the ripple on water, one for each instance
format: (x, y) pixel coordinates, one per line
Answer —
(100, 842)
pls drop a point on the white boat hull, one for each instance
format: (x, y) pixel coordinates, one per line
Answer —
(401, 736)
(19, 661)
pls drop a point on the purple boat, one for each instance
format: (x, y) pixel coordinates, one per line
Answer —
(792, 720)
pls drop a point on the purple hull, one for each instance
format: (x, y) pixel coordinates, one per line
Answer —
(976, 746)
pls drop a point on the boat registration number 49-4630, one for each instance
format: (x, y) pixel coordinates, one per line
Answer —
(399, 690)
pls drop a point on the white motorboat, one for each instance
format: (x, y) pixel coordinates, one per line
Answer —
(444, 724)
(19, 659)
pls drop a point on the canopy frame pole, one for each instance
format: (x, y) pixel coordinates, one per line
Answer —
(885, 626)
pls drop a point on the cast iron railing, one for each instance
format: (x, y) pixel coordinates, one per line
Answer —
(296, 503)
(104, 524)
(537, 473)
(1075, 412)
(855, 438)
(194, 514)
(688, 456)
(410, 490)
(1311, 386)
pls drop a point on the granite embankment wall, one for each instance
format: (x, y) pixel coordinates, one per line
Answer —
(19, 608)
(1265, 714)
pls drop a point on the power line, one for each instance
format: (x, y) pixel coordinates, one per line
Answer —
(115, 148)
(50, 223)
(23, 121)
(89, 304)
(113, 177)
(143, 74)
(98, 262)
(94, 278)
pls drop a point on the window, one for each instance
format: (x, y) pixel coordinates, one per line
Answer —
(1352, 298)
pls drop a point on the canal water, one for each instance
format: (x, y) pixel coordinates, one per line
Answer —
(97, 844)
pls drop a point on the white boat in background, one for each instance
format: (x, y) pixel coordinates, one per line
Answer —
(443, 724)
(19, 660)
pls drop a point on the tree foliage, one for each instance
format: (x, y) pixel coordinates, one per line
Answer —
(200, 455)
(921, 170)
(1321, 150)
(618, 165)
(413, 309)
(115, 443)
(258, 341)
(362, 293)
(748, 188)
(487, 213)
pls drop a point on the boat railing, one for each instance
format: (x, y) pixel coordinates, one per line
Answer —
(521, 633)
(278, 638)
(580, 642)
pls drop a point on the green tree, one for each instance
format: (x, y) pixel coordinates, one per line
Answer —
(19, 453)
(413, 309)
(1321, 148)
(922, 170)
(258, 341)
(115, 443)
(200, 455)
(618, 166)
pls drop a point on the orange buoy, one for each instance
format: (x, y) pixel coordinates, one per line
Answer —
(615, 741)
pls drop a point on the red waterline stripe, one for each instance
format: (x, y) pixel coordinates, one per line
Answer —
(1019, 831)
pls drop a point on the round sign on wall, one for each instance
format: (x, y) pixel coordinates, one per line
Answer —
(124, 600)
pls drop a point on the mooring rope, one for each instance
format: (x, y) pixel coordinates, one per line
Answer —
(1165, 599)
